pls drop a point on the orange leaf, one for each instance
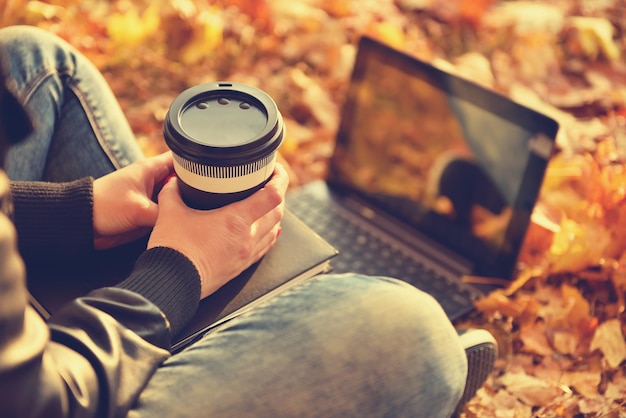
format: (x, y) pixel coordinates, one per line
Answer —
(473, 10)
(585, 382)
(531, 390)
(577, 246)
(496, 302)
(534, 338)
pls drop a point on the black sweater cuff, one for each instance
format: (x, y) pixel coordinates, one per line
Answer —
(53, 220)
(169, 280)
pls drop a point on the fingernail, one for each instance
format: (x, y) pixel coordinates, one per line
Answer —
(168, 178)
(280, 230)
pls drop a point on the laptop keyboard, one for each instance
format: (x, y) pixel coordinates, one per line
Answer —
(362, 251)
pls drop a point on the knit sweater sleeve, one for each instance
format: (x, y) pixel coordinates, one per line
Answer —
(95, 354)
(169, 280)
(53, 220)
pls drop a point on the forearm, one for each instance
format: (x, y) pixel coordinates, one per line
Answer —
(170, 281)
(97, 353)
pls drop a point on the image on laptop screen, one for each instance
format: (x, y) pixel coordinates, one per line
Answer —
(451, 159)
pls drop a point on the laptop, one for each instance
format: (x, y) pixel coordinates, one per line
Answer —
(433, 178)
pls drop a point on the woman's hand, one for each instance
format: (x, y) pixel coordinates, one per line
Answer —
(222, 242)
(123, 204)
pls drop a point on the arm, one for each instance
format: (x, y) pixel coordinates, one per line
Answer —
(79, 363)
(95, 356)
(53, 221)
(69, 220)
(92, 359)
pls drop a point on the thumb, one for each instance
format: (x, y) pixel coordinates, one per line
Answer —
(169, 192)
(149, 213)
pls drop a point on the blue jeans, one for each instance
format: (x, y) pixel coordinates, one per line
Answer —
(334, 346)
(79, 128)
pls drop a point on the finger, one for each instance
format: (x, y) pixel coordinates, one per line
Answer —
(158, 168)
(265, 231)
(280, 179)
(169, 194)
(149, 213)
(266, 243)
(164, 159)
(269, 221)
(270, 196)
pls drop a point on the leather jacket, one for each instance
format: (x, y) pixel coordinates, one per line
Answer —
(94, 356)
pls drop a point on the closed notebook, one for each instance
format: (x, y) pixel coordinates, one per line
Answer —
(299, 254)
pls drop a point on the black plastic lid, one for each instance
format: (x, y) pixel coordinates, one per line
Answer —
(223, 123)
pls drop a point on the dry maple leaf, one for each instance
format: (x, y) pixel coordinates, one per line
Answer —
(529, 389)
(594, 37)
(533, 336)
(609, 339)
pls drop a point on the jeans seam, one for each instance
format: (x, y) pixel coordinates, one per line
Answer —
(93, 122)
(31, 87)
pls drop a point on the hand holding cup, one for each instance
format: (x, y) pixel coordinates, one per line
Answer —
(225, 241)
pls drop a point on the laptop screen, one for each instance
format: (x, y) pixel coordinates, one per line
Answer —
(456, 162)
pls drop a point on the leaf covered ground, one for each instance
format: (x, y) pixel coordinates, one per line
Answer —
(561, 325)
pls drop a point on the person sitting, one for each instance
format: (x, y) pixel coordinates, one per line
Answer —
(76, 183)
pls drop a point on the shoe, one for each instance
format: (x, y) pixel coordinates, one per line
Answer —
(481, 350)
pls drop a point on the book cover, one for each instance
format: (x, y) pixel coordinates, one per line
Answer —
(299, 254)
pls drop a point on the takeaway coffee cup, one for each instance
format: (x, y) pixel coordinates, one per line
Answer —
(224, 137)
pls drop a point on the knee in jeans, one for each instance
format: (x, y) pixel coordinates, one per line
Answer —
(403, 300)
(414, 323)
(25, 36)
(29, 47)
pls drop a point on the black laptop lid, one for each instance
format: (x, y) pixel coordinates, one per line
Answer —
(452, 160)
